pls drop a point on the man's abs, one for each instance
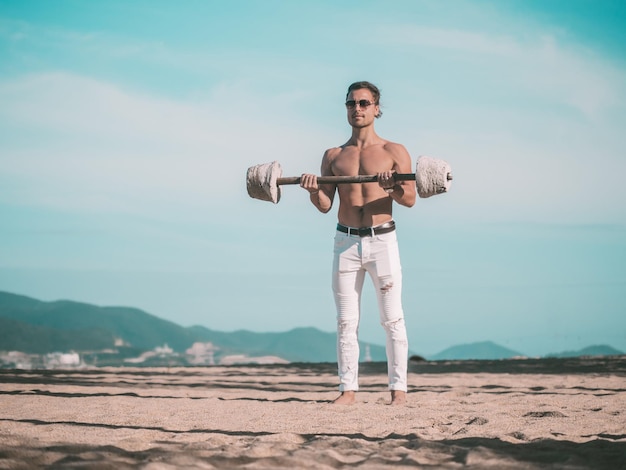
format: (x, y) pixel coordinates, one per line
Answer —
(363, 205)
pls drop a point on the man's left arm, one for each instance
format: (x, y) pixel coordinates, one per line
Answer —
(404, 192)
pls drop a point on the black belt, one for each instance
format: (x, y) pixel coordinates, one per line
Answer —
(368, 231)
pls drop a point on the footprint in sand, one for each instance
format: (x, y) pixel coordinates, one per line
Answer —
(544, 414)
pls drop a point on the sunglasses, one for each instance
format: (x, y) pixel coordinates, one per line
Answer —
(362, 104)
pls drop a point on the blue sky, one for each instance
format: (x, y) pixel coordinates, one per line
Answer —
(126, 129)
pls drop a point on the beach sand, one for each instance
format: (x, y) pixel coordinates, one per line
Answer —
(515, 414)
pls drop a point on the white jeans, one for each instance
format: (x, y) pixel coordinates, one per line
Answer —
(379, 256)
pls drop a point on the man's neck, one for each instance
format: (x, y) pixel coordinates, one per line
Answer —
(364, 136)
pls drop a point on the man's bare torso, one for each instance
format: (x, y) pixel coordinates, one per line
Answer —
(362, 205)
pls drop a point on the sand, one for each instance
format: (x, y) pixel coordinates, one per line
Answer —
(470, 414)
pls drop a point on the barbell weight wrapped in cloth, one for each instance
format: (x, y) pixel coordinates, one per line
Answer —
(261, 181)
(432, 176)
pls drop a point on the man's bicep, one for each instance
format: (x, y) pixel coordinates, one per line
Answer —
(327, 170)
(402, 159)
(326, 167)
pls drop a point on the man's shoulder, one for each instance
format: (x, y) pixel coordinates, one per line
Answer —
(333, 152)
(393, 146)
(396, 150)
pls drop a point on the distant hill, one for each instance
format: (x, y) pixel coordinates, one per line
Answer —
(482, 350)
(34, 326)
(597, 350)
(297, 345)
(134, 326)
(19, 336)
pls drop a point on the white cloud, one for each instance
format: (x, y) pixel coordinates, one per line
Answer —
(531, 126)
(123, 150)
(538, 63)
(77, 135)
(441, 38)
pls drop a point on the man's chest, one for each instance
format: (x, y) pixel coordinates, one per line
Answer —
(363, 162)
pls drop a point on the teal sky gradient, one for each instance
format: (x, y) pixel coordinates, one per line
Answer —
(126, 129)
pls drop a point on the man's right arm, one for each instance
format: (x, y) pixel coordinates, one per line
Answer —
(321, 195)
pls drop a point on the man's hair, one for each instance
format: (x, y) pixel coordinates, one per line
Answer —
(368, 86)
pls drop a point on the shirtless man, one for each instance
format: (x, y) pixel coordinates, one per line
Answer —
(365, 240)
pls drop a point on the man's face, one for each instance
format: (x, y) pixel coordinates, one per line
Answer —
(361, 116)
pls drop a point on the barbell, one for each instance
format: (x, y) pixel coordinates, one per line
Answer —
(432, 176)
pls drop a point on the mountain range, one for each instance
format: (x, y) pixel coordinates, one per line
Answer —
(37, 327)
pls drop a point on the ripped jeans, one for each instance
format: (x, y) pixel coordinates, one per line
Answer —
(379, 256)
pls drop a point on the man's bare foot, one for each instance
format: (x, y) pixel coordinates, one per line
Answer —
(398, 397)
(346, 398)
